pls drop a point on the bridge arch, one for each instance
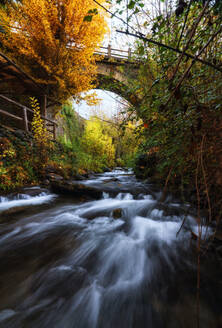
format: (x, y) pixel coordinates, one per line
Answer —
(109, 83)
(115, 68)
(114, 75)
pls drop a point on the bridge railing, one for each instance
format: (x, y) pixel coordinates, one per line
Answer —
(110, 52)
(25, 115)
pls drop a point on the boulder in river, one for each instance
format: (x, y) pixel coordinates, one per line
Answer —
(74, 187)
(107, 169)
(117, 213)
(54, 177)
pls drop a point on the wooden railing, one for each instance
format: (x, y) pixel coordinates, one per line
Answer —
(24, 116)
(109, 52)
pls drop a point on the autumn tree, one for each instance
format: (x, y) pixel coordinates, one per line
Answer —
(54, 42)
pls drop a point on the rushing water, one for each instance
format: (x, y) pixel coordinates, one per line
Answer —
(70, 263)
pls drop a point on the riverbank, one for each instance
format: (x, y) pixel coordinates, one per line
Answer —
(206, 198)
(25, 163)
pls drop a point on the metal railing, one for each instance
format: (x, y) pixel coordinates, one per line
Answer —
(23, 118)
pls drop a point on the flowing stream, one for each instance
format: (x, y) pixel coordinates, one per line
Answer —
(115, 262)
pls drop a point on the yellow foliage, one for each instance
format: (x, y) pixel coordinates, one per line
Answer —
(90, 99)
(7, 151)
(38, 128)
(10, 153)
(97, 143)
(54, 42)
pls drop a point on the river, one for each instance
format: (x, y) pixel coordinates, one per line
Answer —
(114, 262)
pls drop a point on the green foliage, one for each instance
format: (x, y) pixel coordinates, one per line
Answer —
(97, 144)
(72, 127)
(127, 142)
(17, 164)
(87, 142)
(89, 16)
(91, 145)
(181, 98)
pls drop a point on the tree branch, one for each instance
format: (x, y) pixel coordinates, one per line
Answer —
(184, 24)
(157, 43)
(142, 37)
(193, 30)
(193, 61)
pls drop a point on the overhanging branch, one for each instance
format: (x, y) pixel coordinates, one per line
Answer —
(160, 44)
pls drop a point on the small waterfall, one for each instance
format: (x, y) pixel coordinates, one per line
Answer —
(21, 199)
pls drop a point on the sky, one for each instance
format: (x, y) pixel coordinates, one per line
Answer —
(109, 105)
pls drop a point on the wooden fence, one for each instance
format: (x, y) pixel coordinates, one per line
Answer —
(23, 116)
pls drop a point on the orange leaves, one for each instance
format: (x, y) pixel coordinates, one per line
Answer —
(53, 43)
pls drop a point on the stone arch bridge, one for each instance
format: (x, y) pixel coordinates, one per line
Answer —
(115, 69)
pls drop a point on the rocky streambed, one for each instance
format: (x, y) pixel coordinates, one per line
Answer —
(104, 252)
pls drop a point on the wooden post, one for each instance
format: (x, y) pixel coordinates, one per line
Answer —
(54, 131)
(129, 53)
(109, 51)
(26, 126)
(44, 107)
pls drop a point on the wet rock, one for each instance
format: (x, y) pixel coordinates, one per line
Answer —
(117, 213)
(26, 199)
(52, 172)
(110, 180)
(80, 177)
(106, 169)
(13, 210)
(91, 172)
(74, 187)
(33, 191)
(46, 182)
(170, 210)
(94, 187)
(6, 314)
(54, 177)
(50, 169)
(85, 175)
